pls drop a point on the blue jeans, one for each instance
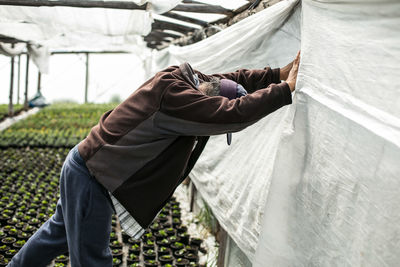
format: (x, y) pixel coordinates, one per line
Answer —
(80, 225)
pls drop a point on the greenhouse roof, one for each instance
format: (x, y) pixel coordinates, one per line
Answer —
(109, 25)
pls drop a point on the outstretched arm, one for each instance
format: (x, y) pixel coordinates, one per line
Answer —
(256, 79)
(251, 80)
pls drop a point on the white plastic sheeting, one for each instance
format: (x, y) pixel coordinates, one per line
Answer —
(234, 180)
(39, 54)
(316, 183)
(334, 195)
(92, 29)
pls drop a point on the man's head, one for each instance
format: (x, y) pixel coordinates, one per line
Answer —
(210, 88)
(222, 87)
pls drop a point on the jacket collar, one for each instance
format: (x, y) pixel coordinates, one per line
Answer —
(188, 74)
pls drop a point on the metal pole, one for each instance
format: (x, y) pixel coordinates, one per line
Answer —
(26, 82)
(87, 78)
(19, 77)
(39, 81)
(10, 105)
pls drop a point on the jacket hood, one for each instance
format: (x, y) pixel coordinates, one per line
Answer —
(188, 73)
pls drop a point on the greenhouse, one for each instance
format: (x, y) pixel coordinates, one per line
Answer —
(180, 133)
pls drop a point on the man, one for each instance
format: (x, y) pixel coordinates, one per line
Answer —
(139, 152)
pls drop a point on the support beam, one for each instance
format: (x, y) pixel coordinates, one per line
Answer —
(39, 81)
(222, 237)
(10, 104)
(192, 2)
(160, 36)
(166, 25)
(87, 78)
(19, 78)
(75, 3)
(26, 83)
(163, 34)
(155, 40)
(197, 8)
(173, 15)
(6, 39)
(91, 52)
(243, 9)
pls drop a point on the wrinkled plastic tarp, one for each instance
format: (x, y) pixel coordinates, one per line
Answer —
(334, 195)
(93, 29)
(315, 183)
(234, 180)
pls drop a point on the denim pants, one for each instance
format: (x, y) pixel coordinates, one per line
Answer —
(81, 224)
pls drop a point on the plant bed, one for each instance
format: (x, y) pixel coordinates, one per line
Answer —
(113, 236)
(163, 251)
(176, 222)
(10, 253)
(61, 259)
(8, 241)
(177, 246)
(154, 227)
(184, 238)
(116, 262)
(135, 249)
(132, 258)
(149, 254)
(149, 244)
(192, 249)
(192, 257)
(116, 244)
(166, 259)
(117, 253)
(170, 231)
(174, 238)
(29, 192)
(165, 242)
(133, 241)
(19, 244)
(23, 236)
(151, 263)
(180, 253)
(181, 262)
(161, 234)
(4, 262)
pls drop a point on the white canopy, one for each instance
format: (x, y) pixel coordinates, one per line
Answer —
(81, 28)
(76, 29)
(315, 183)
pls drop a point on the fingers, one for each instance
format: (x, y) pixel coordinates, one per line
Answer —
(296, 62)
(297, 59)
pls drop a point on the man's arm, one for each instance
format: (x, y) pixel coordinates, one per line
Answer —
(186, 111)
(251, 80)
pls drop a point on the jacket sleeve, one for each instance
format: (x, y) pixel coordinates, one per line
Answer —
(186, 111)
(251, 80)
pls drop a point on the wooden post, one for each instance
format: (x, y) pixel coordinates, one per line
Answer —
(39, 81)
(10, 105)
(19, 77)
(87, 78)
(222, 239)
(26, 83)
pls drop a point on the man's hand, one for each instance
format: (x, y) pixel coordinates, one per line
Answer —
(284, 72)
(292, 77)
